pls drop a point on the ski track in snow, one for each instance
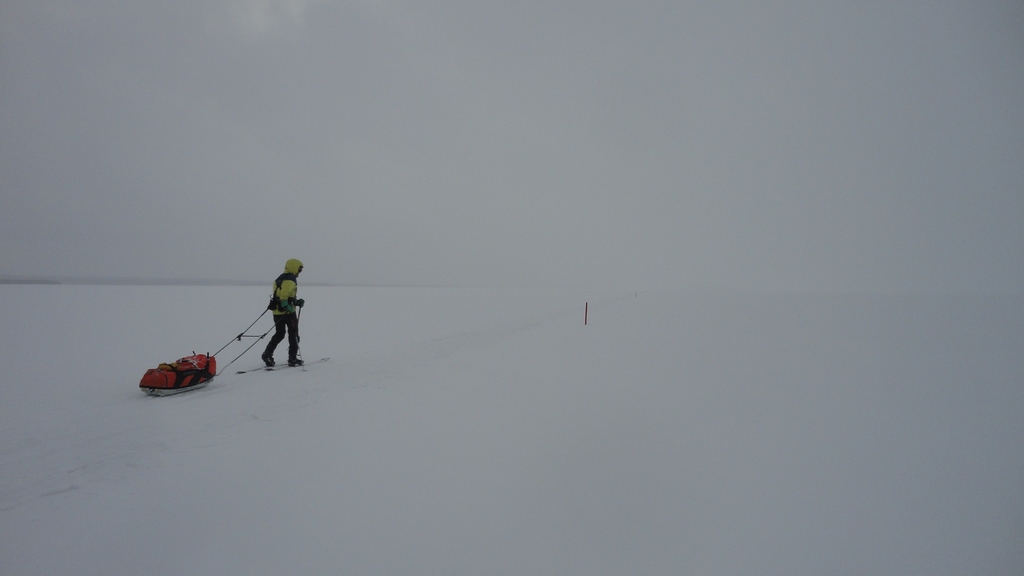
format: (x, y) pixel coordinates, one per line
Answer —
(67, 459)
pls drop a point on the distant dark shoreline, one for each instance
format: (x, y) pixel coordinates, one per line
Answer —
(105, 281)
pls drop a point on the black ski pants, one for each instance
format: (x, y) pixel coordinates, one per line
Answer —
(283, 322)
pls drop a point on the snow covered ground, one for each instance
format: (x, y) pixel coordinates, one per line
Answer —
(472, 431)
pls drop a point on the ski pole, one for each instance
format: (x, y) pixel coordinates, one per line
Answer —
(298, 351)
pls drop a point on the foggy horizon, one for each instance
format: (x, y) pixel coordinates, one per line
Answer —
(783, 146)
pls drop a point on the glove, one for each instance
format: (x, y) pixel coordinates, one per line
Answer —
(300, 303)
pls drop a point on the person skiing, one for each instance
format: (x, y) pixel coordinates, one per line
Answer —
(283, 305)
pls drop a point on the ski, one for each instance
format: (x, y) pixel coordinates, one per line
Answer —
(281, 366)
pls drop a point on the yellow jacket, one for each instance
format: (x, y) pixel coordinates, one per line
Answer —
(285, 288)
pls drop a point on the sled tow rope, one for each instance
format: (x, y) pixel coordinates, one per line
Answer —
(239, 339)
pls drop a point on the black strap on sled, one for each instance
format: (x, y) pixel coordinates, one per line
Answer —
(185, 378)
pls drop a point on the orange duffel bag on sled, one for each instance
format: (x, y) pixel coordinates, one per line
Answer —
(188, 373)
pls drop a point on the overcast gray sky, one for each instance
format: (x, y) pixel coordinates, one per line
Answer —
(871, 145)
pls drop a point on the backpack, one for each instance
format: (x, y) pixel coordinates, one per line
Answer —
(275, 300)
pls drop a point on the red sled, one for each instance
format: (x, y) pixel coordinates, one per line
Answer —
(188, 373)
